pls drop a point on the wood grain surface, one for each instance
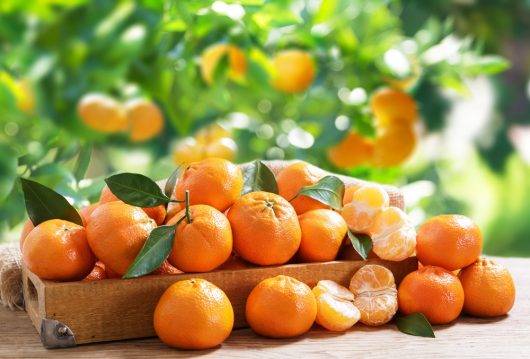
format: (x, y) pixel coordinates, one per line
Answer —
(505, 337)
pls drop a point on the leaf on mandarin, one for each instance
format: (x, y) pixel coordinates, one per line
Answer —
(43, 203)
(154, 252)
(329, 190)
(415, 324)
(172, 181)
(362, 243)
(136, 189)
(258, 177)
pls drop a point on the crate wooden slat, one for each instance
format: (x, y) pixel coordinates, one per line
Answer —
(115, 309)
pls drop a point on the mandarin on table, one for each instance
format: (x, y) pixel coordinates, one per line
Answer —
(449, 241)
(202, 244)
(295, 71)
(353, 150)
(281, 307)
(102, 113)
(193, 314)
(433, 291)
(367, 201)
(389, 105)
(213, 181)
(265, 228)
(393, 235)
(375, 294)
(323, 231)
(145, 119)
(489, 290)
(335, 308)
(295, 176)
(117, 232)
(58, 250)
(237, 63)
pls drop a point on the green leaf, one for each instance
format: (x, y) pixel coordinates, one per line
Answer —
(258, 177)
(83, 160)
(485, 65)
(329, 190)
(136, 189)
(415, 324)
(43, 203)
(172, 181)
(362, 243)
(155, 251)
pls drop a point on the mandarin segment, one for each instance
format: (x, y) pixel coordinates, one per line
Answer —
(265, 228)
(335, 310)
(323, 231)
(193, 314)
(489, 290)
(295, 176)
(366, 203)
(281, 307)
(433, 291)
(375, 294)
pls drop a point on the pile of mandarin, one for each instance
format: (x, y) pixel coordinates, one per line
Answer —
(222, 229)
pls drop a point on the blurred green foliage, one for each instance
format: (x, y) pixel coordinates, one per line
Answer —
(152, 49)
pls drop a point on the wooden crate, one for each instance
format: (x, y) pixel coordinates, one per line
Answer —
(70, 313)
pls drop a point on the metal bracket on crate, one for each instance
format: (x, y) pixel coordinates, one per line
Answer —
(54, 334)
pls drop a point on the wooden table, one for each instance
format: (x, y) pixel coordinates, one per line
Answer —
(506, 337)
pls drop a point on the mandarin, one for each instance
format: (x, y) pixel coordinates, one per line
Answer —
(102, 113)
(489, 290)
(449, 241)
(58, 250)
(390, 104)
(335, 308)
(295, 176)
(145, 120)
(393, 235)
(237, 62)
(97, 273)
(433, 291)
(193, 314)
(366, 203)
(117, 232)
(353, 150)
(281, 307)
(295, 71)
(265, 228)
(213, 181)
(394, 145)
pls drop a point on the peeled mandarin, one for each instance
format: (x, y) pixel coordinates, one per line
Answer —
(365, 205)
(393, 235)
(336, 314)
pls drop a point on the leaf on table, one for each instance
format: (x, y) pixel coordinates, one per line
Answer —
(362, 243)
(136, 189)
(415, 324)
(329, 190)
(258, 177)
(155, 251)
(43, 203)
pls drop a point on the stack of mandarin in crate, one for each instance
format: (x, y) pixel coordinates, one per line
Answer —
(213, 215)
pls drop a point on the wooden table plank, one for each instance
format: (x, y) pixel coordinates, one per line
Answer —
(507, 337)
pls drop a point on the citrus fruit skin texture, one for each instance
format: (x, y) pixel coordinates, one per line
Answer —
(205, 243)
(166, 268)
(489, 290)
(394, 145)
(58, 250)
(433, 291)
(292, 178)
(281, 307)
(323, 231)
(116, 233)
(28, 227)
(335, 309)
(265, 228)
(375, 294)
(393, 235)
(213, 181)
(449, 241)
(237, 62)
(367, 201)
(295, 71)
(145, 120)
(193, 314)
(98, 273)
(391, 105)
(102, 113)
(353, 150)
